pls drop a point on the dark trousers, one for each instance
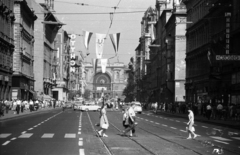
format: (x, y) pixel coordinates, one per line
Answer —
(18, 109)
(130, 127)
(208, 114)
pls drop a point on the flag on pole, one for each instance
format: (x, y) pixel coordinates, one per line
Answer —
(115, 40)
(95, 64)
(100, 38)
(86, 38)
(104, 65)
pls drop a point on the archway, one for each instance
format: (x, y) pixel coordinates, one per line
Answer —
(102, 84)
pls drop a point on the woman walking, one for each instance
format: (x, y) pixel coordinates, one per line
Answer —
(103, 121)
(190, 125)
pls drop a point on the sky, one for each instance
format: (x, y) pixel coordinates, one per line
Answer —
(127, 24)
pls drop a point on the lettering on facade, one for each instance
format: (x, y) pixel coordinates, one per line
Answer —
(180, 38)
(228, 16)
(72, 53)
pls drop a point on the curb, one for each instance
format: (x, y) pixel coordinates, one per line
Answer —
(27, 114)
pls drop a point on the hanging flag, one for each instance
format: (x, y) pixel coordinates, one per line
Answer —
(86, 38)
(104, 65)
(115, 40)
(95, 64)
(100, 38)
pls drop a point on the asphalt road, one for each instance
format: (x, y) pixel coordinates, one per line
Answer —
(73, 133)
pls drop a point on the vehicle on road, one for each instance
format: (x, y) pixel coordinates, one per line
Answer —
(138, 107)
(77, 105)
(90, 107)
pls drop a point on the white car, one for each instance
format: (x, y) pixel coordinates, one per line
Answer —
(90, 107)
(138, 107)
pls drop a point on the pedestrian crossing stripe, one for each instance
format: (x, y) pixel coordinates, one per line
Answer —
(237, 138)
(220, 138)
(67, 135)
(4, 135)
(26, 135)
(48, 135)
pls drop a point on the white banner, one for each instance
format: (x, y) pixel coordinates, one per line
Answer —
(100, 38)
(104, 65)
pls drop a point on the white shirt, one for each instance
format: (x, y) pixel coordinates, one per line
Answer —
(131, 112)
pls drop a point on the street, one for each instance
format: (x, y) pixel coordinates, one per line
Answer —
(57, 132)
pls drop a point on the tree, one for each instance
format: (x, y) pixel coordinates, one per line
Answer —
(73, 93)
(86, 94)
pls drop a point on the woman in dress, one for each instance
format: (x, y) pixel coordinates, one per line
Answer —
(190, 125)
(103, 121)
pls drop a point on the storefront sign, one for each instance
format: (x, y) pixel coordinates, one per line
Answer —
(228, 57)
(72, 53)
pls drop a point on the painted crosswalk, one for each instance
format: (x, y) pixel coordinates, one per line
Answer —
(45, 135)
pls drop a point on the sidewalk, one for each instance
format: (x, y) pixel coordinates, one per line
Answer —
(199, 118)
(11, 115)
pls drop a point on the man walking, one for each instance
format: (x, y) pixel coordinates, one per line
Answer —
(132, 122)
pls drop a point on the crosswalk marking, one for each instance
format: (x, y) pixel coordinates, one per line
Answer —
(81, 152)
(69, 135)
(4, 135)
(220, 138)
(48, 135)
(221, 141)
(6, 143)
(237, 138)
(25, 135)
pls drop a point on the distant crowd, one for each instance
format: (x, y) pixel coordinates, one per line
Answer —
(210, 111)
(19, 106)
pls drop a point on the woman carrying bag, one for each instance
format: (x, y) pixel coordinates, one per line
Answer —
(103, 121)
(190, 128)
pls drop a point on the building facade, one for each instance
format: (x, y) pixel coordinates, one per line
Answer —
(23, 76)
(111, 83)
(213, 68)
(61, 65)
(7, 19)
(46, 29)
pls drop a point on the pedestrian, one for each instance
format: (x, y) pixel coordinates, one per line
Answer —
(22, 106)
(209, 111)
(125, 119)
(132, 122)
(103, 121)
(31, 105)
(18, 106)
(190, 128)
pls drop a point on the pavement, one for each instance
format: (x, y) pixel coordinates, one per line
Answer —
(12, 115)
(226, 123)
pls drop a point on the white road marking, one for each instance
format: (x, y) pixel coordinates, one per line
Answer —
(156, 123)
(204, 127)
(79, 133)
(173, 128)
(70, 135)
(164, 125)
(6, 143)
(25, 135)
(221, 142)
(183, 130)
(80, 138)
(30, 129)
(35, 126)
(13, 138)
(48, 135)
(220, 138)
(24, 132)
(237, 138)
(171, 119)
(177, 121)
(4, 135)
(80, 143)
(151, 121)
(79, 129)
(81, 152)
(217, 129)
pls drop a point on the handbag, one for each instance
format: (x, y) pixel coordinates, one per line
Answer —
(105, 126)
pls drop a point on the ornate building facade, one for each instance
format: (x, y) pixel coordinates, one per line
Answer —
(6, 48)
(23, 76)
(111, 83)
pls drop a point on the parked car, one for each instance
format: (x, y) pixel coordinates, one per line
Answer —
(77, 105)
(90, 107)
(138, 107)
